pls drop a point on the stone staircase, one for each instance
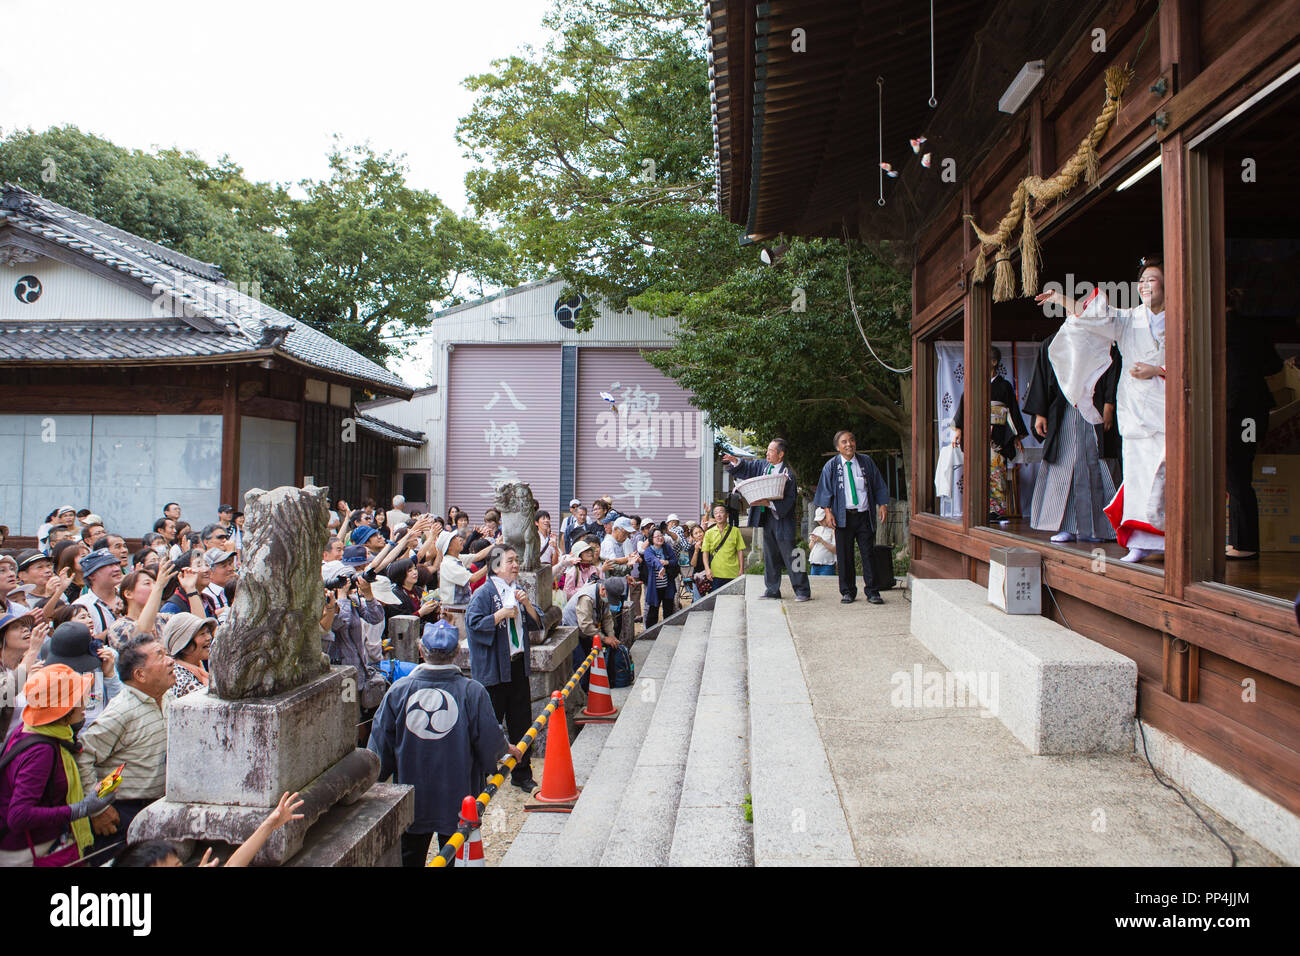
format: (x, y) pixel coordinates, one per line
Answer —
(719, 711)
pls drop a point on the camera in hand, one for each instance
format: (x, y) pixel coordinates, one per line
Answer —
(344, 579)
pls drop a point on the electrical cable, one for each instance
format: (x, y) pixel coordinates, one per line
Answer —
(1159, 779)
(848, 279)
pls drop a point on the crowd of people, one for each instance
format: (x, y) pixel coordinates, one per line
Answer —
(96, 641)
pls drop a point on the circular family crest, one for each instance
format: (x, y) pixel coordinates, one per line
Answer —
(27, 289)
(566, 310)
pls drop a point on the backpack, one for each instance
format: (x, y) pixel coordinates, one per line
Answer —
(622, 672)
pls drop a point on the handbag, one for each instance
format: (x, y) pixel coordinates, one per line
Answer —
(65, 853)
(703, 583)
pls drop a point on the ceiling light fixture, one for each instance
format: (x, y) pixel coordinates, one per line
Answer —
(1021, 87)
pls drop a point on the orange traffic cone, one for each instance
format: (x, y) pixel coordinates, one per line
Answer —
(558, 784)
(600, 705)
(470, 852)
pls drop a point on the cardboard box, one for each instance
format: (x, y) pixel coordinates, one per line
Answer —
(1277, 485)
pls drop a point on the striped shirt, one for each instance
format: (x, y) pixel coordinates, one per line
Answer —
(133, 731)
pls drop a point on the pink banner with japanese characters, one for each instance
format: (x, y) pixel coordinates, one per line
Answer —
(503, 424)
(644, 447)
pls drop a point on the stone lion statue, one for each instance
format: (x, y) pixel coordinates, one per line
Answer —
(271, 641)
(518, 510)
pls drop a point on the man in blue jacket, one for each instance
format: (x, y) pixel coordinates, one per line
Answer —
(436, 731)
(498, 618)
(850, 486)
(777, 518)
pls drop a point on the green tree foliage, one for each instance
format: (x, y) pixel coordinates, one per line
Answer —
(597, 151)
(177, 199)
(774, 350)
(374, 253)
(563, 135)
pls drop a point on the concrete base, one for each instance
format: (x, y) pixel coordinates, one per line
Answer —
(342, 784)
(539, 585)
(1055, 690)
(248, 752)
(1265, 820)
(552, 663)
(368, 833)
(404, 634)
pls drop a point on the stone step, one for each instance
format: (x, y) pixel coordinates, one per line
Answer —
(642, 830)
(586, 830)
(798, 818)
(1055, 690)
(710, 828)
(537, 840)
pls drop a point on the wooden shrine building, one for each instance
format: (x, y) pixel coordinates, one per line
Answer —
(1198, 164)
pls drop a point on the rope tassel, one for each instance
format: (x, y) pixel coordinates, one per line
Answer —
(1083, 164)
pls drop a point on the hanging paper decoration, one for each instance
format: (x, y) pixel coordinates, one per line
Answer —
(916, 144)
(1043, 191)
(890, 171)
(880, 137)
(925, 160)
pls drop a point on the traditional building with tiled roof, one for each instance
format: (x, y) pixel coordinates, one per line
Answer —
(134, 375)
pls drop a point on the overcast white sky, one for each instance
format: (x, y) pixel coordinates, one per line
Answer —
(267, 82)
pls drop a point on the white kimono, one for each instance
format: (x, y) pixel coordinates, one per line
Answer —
(1080, 355)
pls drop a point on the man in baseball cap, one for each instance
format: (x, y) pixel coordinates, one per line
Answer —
(436, 730)
(102, 573)
(223, 567)
(591, 610)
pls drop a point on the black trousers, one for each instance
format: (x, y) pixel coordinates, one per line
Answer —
(859, 528)
(512, 701)
(127, 810)
(415, 846)
(1243, 504)
(776, 555)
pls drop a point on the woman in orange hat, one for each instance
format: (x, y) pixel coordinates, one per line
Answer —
(44, 814)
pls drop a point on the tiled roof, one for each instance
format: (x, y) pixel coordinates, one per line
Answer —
(213, 318)
(107, 339)
(390, 432)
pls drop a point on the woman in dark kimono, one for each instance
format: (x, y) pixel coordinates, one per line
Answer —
(1072, 489)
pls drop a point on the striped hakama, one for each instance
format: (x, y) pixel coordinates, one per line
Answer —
(1072, 492)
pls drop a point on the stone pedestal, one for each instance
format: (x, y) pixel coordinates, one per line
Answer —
(552, 663)
(368, 833)
(229, 761)
(539, 585)
(248, 752)
(404, 634)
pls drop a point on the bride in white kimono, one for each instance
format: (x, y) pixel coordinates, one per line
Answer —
(1080, 354)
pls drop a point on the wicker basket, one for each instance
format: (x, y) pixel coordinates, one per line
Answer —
(763, 487)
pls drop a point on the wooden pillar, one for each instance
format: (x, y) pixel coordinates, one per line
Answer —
(230, 425)
(300, 438)
(1180, 60)
(1184, 432)
(1181, 669)
(975, 423)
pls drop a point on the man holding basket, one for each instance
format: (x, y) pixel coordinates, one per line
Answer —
(776, 516)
